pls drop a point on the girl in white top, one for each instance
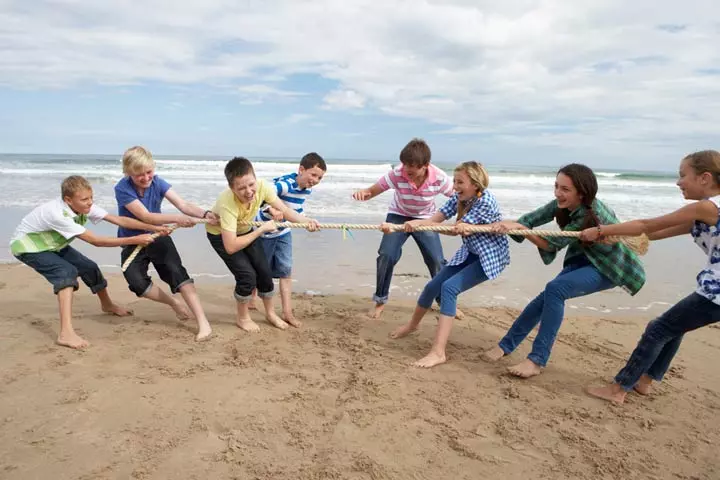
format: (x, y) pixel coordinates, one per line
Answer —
(699, 180)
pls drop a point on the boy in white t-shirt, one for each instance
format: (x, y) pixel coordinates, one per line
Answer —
(42, 241)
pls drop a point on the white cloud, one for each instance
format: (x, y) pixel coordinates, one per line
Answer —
(592, 73)
(344, 99)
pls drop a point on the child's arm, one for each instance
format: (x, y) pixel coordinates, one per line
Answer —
(233, 243)
(292, 216)
(437, 218)
(190, 209)
(132, 224)
(141, 213)
(100, 241)
(367, 193)
(505, 226)
(704, 211)
(671, 232)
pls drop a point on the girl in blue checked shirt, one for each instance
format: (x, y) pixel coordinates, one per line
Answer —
(587, 268)
(699, 180)
(481, 257)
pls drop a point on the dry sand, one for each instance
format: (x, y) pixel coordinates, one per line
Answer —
(333, 400)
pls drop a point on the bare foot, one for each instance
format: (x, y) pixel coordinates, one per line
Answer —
(290, 318)
(429, 360)
(377, 311)
(403, 331)
(182, 311)
(252, 305)
(247, 324)
(276, 321)
(72, 340)
(115, 309)
(644, 385)
(204, 333)
(612, 393)
(493, 355)
(459, 315)
(525, 369)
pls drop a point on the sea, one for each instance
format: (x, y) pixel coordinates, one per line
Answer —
(329, 262)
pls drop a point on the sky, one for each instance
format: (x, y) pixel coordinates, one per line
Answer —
(605, 82)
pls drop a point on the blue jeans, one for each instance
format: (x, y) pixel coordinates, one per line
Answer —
(450, 282)
(548, 309)
(661, 340)
(278, 251)
(62, 268)
(391, 249)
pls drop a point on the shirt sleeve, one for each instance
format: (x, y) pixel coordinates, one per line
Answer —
(97, 214)
(387, 181)
(537, 217)
(162, 184)
(281, 187)
(447, 186)
(268, 195)
(63, 225)
(125, 194)
(225, 209)
(450, 207)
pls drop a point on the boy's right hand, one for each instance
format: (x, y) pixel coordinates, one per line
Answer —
(145, 239)
(362, 195)
(267, 227)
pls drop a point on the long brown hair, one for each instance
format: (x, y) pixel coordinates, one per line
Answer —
(585, 182)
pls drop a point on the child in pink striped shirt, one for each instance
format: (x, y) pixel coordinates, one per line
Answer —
(416, 183)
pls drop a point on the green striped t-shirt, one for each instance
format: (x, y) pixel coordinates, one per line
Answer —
(51, 227)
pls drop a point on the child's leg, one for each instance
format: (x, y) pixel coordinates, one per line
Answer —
(571, 283)
(166, 260)
(94, 279)
(431, 251)
(63, 277)
(657, 370)
(239, 265)
(389, 254)
(469, 276)
(690, 313)
(430, 292)
(140, 284)
(281, 267)
(269, 249)
(264, 281)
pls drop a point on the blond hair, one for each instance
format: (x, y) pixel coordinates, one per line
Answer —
(705, 161)
(73, 184)
(478, 177)
(136, 160)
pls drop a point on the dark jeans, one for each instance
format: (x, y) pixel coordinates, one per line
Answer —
(391, 249)
(548, 310)
(62, 268)
(249, 266)
(166, 260)
(661, 340)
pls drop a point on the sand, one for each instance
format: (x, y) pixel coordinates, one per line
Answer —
(333, 400)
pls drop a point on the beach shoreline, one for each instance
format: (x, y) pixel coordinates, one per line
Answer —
(334, 399)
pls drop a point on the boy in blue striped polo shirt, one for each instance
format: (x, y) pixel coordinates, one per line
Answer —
(293, 189)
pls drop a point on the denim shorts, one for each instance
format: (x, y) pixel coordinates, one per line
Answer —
(278, 251)
(62, 268)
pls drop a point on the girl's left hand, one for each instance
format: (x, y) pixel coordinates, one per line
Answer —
(590, 234)
(463, 229)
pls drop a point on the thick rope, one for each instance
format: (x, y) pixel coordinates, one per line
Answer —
(637, 244)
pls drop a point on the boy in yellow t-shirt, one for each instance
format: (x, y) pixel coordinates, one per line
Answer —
(236, 244)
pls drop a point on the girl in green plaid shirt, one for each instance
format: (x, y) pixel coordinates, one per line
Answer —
(587, 268)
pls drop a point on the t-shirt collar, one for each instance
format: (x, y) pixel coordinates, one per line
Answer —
(431, 177)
